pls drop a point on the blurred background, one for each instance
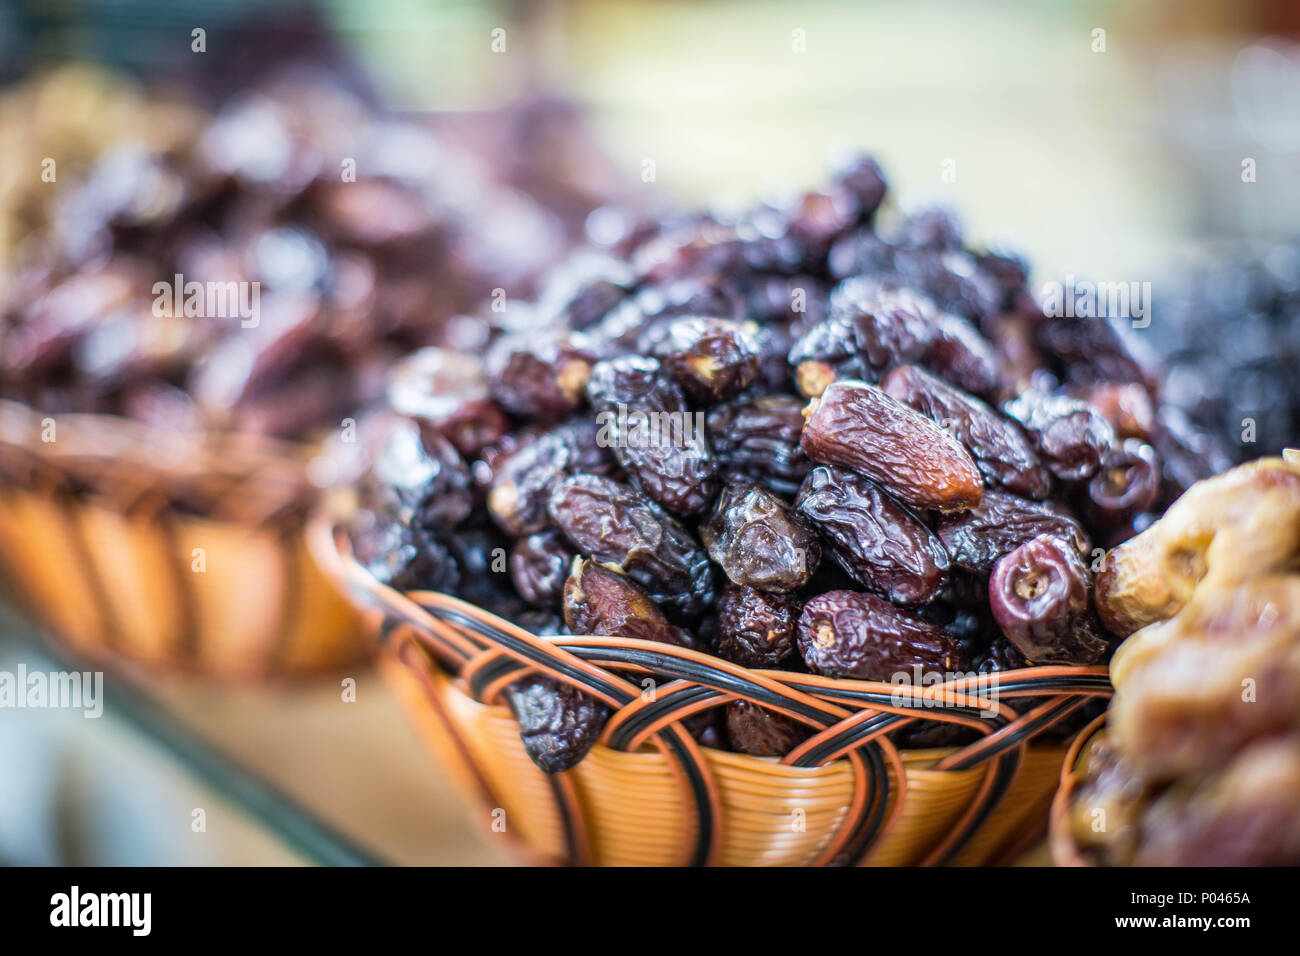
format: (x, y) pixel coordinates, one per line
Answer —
(1107, 139)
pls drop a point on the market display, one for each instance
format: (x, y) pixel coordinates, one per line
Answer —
(807, 437)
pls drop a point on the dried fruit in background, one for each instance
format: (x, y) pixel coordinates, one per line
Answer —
(449, 391)
(858, 426)
(1226, 670)
(1000, 523)
(605, 603)
(1242, 815)
(755, 730)
(882, 544)
(851, 634)
(558, 723)
(1105, 816)
(758, 439)
(1071, 436)
(1126, 405)
(756, 628)
(711, 359)
(427, 479)
(1127, 485)
(759, 540)
(654, 435)
(541, 378)
(616, 525)
(1040, 594)
(1001, 452)
(1242, 524)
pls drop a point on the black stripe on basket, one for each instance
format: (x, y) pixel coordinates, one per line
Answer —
(1007, 765)
(981, 751)
(578, 677)
(861, 844)
(694, 773)
(823, 751)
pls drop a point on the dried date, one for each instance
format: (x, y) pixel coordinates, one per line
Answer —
(1000, 523)
(755, 730)
(756, 628)
(1001, 451)
(758, 438)
(711, 359)
(645, 421)
(877, 540)
(759, 540)
(614, 524)
(858, 426)
(604, 603)
(1040, 594)
(539, 565)
(851, 634)
(558, 723)
(1070, 435)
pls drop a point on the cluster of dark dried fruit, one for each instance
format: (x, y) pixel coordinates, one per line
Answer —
(798, 440)
(1227, 325)
(304, 242)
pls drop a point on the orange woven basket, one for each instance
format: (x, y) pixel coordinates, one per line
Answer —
(129, 543)
(648, 794)
(1065, 850)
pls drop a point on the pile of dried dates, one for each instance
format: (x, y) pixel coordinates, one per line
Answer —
(808, 437)
(1200, 761)
(1241, 385)
(261, 269)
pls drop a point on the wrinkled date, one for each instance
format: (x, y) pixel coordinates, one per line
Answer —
(755, 730)
(540, 379)
(851, 634)
(758, 439)
(1040, 596)
(645, 421)
(1127, 484)
(858, 426)
(1072, 436)
(756, 628)
(975, 539)
(759, 540)
(522, 486)
(614, 524)
(711, 359)
(557, 722)
(1001, 452)
(878, 541)
(539, 564)
(602, 602)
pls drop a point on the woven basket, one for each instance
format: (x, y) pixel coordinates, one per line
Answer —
(648, 794)
(1065, 850)
(129, 543)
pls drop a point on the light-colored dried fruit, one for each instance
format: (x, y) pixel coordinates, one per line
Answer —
(1242, 524)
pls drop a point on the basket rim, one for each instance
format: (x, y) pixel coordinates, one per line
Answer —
(235, 476)
(1065, 850)
(328, 539)
(850, 719)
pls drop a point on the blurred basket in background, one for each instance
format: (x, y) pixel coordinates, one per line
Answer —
(173, 551)
(648, 794)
